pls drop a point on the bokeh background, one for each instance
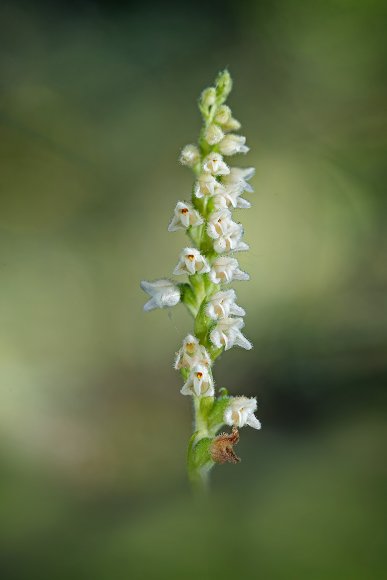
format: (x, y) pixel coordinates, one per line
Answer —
(97, 99)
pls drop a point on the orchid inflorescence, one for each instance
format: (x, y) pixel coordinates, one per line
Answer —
(210, 265)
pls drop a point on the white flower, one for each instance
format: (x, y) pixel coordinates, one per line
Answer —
(190, 155)
(164, 293)
(218, 223)
(191, 262)
(222, 304)
(232, 144)
(227, 333)
(239, 177)
(226, 233)
(207, 185)
(215, 165)
(230, 196)
(225, 269)
(185, 216)
(213, 134)
(191, 353)
(231, 240)
(200, 383)
(240, 412)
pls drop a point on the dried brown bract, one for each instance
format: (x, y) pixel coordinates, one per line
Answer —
(221, 449)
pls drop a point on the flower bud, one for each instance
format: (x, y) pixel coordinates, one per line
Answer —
(213, 134)
(223, 115)
(207, 100)
(190, 155)
(232, 125)
(223, 86)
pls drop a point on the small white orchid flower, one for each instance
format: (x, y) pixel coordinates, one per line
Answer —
(222, 305)
(190, 155)
(185, 215)
(230, 196)
(191, 262)
(227, 333)
(231, 240)
(200, 383)
(219, 223)
(232, 144)
(191, 354)
(164, 293)
(239, 177)
(225, 269)
(215, 165)
(213, 134)
(207, 185)
(226, 233)
(240, 412)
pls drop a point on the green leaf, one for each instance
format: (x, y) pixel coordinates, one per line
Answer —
(200, 453)
(215, 417)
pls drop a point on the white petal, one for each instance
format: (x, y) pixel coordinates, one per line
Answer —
(186, 388)
(190, 265)
(242, 247)
(242, 341)
(240, 275)
(252, 421)
(242, 203)
(206, 267)
(150, 305)
(237, 310)
(174, 225)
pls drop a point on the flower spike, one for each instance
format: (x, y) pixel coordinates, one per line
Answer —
(209, 265)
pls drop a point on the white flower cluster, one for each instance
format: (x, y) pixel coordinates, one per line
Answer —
(208, 261)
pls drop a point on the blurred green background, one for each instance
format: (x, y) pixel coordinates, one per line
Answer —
(97, 99)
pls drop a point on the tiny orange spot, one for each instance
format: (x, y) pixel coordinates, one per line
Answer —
(199, 375)
(191, 257)
(184, 210)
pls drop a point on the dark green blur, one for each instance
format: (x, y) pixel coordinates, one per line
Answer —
(96, 101)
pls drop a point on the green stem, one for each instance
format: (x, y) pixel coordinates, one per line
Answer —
(198, 463)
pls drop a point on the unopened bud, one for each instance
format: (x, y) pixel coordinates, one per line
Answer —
(190, 155)
(213, 134)
(223, 86)
(207, 99)
(223, 115)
